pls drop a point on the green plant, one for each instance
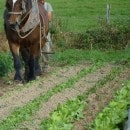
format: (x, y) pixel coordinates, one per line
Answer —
(61, 118)
(25, 112)
(65, 114)
(6, 64)
(115, 112)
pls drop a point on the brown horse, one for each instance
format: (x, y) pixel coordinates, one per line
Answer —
(26, 27)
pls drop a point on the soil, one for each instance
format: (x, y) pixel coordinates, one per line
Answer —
(14, 95)
(100, 99)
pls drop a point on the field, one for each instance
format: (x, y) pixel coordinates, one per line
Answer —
(78, 16)
(80, 85)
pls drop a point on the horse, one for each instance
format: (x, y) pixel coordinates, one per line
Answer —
(26, 26)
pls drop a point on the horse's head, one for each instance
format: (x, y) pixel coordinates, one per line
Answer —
(17, 9)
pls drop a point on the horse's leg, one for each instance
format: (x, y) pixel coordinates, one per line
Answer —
(38, 70)
(15, 52)
(25, 57)
(34, 67)
(31, 64)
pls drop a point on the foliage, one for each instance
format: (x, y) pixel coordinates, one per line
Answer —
(65, 114)
(25, 112)
(78, 29)
(63, 117)
(74, 56)
(115, 112)
(2, 7)
(107, 37)
(6, 64)
(103, 36)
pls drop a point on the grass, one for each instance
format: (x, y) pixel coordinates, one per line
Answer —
(79, 15)
(2, 6)
(73, 56)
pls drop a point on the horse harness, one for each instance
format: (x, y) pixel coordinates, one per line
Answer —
(33, 20)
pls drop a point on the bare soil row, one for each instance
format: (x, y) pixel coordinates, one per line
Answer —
(18, 98)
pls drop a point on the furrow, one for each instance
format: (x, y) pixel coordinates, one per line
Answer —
(20, 98)
(84, 84)
(97, 101)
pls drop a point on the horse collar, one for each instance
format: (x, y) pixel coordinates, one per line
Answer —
(33, 19)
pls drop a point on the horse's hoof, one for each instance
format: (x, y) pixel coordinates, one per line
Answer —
(17, 78)
(31, 79)
(38, 72)
(18, 81)
(25, 81)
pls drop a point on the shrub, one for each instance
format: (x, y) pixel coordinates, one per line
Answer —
(6, 64)
(107, 37)
(114, 36)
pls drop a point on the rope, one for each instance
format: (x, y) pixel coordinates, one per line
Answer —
(22, 37)
(40, 40)
(18, 31)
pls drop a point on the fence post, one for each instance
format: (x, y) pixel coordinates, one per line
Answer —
(108, 14)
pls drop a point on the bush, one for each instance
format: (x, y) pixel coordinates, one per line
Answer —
(114, 36)
(107, 37)
(6, 64)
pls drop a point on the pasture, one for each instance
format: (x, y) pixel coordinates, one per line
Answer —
(83, 89)
(79, 15)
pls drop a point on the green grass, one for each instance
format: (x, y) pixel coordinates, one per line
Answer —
(73, 56)
(79, 15)
(2, 6)
(82, 14)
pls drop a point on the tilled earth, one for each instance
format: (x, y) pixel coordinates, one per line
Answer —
(14, 95)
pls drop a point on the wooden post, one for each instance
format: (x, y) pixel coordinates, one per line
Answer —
(108, 14)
